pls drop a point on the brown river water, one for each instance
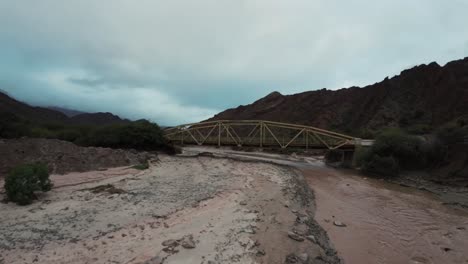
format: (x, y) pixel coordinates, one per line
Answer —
(386, 223)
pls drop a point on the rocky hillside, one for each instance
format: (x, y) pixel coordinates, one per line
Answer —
(421, 98)
(10, 106)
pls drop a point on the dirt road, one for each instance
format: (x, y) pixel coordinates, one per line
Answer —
(181, 210)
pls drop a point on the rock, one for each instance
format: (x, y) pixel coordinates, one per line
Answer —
(295, 236)
(302, 219)
(303, 257)
(291, 258)
(338, 223)
(155, 260)
(312, 239)
(248, 231)
(170, 243)
(286, 204)
(170, 250)
(187, 242)
(261, 252)
(243, 203)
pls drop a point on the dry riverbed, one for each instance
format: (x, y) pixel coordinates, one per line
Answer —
(181, 210)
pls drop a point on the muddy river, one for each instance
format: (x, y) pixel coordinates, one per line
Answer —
(386, 223)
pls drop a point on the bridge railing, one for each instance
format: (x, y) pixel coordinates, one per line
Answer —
(257, 133)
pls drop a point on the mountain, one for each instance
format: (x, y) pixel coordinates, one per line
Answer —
(39, 114)
(66, 111)
(97, 119)
(422, 98)
(11, 106)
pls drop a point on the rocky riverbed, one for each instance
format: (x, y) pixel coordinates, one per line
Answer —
(200, 209)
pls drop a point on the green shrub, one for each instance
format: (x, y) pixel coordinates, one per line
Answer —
(360, 155)
(393, 150)
(386, 166)
(141, 135)
(452, 132)
(24, 180)
(419, 129)
(142, 166)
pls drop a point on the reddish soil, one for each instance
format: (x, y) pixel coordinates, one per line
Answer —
(63, 157)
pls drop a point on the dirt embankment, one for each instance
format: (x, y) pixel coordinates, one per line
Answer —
(63, 157)
(181, 210)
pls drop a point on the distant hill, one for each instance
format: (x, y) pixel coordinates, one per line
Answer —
(422, 98)
(39, 114)
(9, 105)
(66, 111)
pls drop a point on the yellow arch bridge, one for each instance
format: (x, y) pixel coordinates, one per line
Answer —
(259, 133)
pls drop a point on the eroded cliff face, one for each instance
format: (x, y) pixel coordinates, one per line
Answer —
(426, 95)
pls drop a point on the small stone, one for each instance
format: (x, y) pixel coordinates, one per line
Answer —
(339, 224)
(312, 239)
(187, 242)
(249, 231)
(286, 204)
(291, 258)
(302, 219)
(155, 260)
(243, 203)
(261, 252)
(170, 243)
(170, 250)
(446, 249)
(303, 257)
(294, 211)
(295, 236)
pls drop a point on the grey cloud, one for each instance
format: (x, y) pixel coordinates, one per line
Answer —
(198, 57)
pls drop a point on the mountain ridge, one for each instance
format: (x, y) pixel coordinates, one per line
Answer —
(12, 106)
(423, 97)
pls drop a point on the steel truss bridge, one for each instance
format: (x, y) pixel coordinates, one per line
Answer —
(258, 133)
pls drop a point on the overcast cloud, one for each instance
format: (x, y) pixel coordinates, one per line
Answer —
(182, 61)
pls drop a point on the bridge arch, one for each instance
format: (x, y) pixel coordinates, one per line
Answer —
(258, 133)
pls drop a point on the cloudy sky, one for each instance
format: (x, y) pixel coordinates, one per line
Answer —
(181, 61)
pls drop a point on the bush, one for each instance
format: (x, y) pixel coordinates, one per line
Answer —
(386, 166)
(419, 129)
(142, 166)
(24, 180)
(141, 135)
(392, 150)
(452, 132)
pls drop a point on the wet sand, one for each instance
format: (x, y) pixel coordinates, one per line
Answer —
(386, 223)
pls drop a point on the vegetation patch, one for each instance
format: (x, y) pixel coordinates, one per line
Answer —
(107, 188)
(139, 135)
(23, 181)
(393, 150)
(142, 166)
